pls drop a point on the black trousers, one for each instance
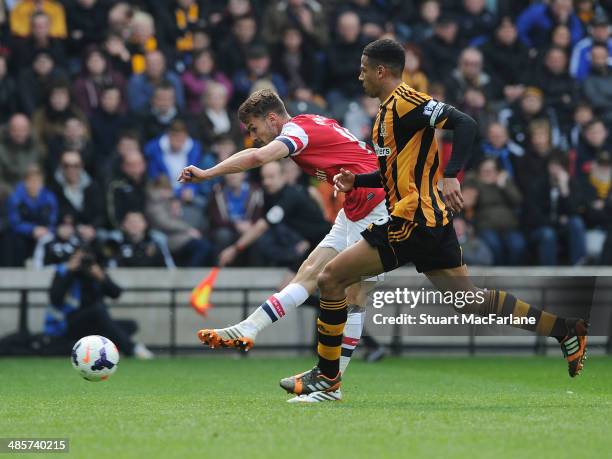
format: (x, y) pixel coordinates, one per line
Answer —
(96, 320)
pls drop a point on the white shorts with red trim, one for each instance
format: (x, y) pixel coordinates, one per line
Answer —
(345, 232)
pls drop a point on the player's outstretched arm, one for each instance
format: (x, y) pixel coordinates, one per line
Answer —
(239, 162)
(464, 132)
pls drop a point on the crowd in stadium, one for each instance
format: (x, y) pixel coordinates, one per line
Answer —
(102, 103)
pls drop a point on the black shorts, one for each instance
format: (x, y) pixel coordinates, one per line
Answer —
(400, 241)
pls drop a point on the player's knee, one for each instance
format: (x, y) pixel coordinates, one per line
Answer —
(308, 272)
(307, 276)
(328, 279)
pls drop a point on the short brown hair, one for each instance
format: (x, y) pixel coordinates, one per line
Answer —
(178, 126)
(259, 104)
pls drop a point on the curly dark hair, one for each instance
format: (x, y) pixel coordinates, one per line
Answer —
(388, 53)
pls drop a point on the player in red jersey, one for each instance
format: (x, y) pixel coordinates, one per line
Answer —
(321, 147)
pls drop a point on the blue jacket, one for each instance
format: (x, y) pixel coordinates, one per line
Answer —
(154, 153)
(535, 23)
(140, 91)
(580, 64)
(25, 213)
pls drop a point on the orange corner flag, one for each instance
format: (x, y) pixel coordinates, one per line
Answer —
(200, 295)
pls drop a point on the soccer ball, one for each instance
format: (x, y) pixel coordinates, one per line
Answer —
(95, 357)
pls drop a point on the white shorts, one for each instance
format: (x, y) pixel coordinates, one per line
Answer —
(345, 232)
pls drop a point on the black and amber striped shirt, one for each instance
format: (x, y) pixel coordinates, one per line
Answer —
(408, 157)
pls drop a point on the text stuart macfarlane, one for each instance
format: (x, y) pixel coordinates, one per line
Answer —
(457, 319)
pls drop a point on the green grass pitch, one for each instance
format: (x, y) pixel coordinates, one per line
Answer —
(192, 407)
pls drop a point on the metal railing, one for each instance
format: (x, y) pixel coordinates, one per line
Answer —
(397, 346)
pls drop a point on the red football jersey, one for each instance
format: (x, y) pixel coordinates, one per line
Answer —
(320, 146)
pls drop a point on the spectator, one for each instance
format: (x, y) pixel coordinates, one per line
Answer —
(75, 137)
(216, 118)
(598, 85)
(135, 246)
(476, 22)
(107, 122)
(162, 112)
(423, 27)
(128, 141)
(343, 61)
(583, 114)
(85, 18)
(49, 121)
(473, 250)
(77, 296)
(476, 105)
(580, 65)
(595, 139)
(78, 196)
(560, 38)
(373, 16)
(141, 86)
(472, 247)
(548, 211)
(120, 18)
(32, 213)
(295, 60)
(119, 56)
(257, 70)
(196, 80)
(58, 247)
(585, 10)
(302, 100)
(306, 15)
(469, 74)
(496, 216)
(507, 59)
(413, 75)
(293, 224)
(34, 82)
(202, 41)
(529, 107)
(168, 154)
(234, 49)
(126, 192)
(224, 16)
(224, 147)
(593, 197)
(166, 214)
(95, 77)
(23, 11)
(499, 147)
(359, 117)
(441, 50)
(39, 40)
(559, 89)
(187, 18)
(142, 41)
(18, 150)
(537, 21)
(8, 92)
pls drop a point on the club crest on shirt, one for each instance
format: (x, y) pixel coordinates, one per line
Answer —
(321, 175)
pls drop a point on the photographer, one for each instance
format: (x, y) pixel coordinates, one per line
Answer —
(77, 305)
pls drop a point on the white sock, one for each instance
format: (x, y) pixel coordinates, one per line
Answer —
(352, 333)
(277, 306)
